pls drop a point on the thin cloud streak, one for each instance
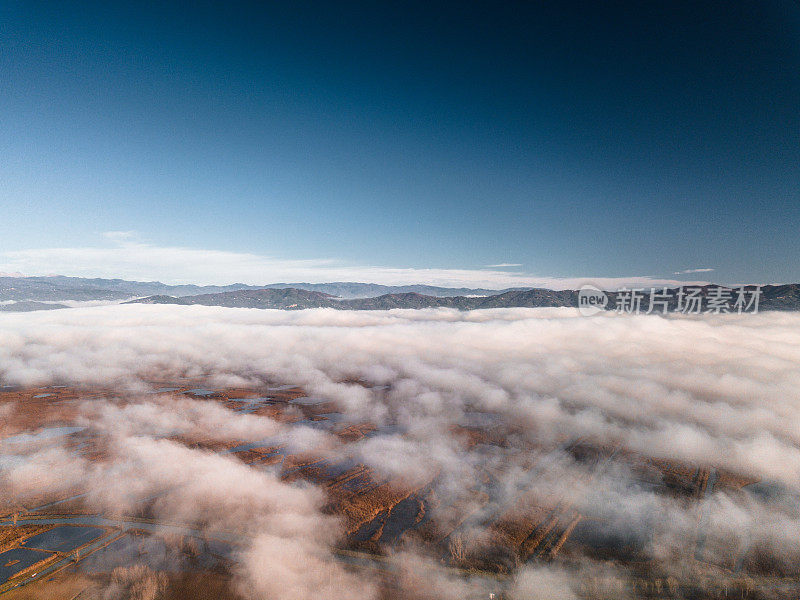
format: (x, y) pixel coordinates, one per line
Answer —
(689, 271)
(129, 259)
(504, 265)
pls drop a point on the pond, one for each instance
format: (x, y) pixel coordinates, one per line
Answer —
(308, 401)
(252, 404)
(64, 538)
(18, 559)
(200, 392)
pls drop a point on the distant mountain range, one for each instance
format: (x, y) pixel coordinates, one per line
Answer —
(292, 298)
(58, 288)
(40, 293)
(781, 297)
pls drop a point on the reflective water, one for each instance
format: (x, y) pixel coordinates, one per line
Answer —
(63, 539)
(308, 401)
(252, 404)
(200, 392)
(18, 559)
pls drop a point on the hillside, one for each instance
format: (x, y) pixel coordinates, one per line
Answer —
(782, 297)
(285, 299)
(58, 288)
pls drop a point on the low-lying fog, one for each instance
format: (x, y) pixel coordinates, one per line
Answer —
(720, 391)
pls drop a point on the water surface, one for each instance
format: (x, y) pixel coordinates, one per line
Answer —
(22, 558)
(64, 538)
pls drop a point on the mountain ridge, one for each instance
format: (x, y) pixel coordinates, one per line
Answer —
(56, 288)
(781, 297)
(340, 295)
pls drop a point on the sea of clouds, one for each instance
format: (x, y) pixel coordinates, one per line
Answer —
(711, 390)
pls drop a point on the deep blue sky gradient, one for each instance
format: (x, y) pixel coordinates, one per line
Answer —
(597, 138)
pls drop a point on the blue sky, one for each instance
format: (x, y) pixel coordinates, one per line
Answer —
(588, 140)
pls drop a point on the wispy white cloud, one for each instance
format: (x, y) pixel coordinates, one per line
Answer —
(131, 259)
(122, 237)
(688, 271)
(504, 265)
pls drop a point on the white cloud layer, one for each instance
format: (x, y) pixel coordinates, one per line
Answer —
(724, 387)
(711, 391)
(129, 259)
